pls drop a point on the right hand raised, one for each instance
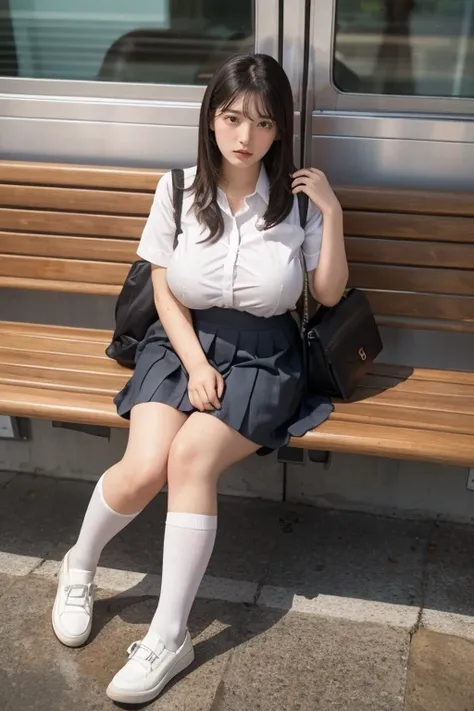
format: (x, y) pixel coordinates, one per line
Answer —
(205, 387)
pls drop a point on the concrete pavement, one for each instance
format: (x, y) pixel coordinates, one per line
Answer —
(300, 609)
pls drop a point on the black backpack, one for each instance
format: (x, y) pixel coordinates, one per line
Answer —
(135, 309)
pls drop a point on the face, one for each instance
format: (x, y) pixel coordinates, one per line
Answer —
(242, 139)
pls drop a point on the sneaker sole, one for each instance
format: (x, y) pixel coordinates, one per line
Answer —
(139, 697)
(65, 639)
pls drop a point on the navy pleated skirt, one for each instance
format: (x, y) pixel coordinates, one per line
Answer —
(260, 359)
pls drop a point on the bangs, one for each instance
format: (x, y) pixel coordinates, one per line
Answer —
(252, 99)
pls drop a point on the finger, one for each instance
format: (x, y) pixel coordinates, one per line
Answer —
(205, 398)
(212, 396)
(303, 173)
(220, 386)
(299, 181)
(198, 403)
(300, 189)
(191, 398)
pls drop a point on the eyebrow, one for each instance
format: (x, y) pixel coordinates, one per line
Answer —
(240, 113)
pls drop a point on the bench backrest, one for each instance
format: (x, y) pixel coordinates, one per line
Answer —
(75, 229)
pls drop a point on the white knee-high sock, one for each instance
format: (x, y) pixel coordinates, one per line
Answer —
(188, 546)
(100, 525)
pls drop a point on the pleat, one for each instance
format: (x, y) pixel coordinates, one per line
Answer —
(207, 340)
(225, 347)
(260, 361)
(238, 396)
(264, 345)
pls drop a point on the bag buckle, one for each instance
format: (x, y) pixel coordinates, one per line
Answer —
(362, 354)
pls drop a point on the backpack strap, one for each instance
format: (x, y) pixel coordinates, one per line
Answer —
(303, 204)
(177, 179)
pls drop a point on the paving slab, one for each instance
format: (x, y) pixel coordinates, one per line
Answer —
(440, 673)
(352, 556)
(6, 582)
(300, 662)
(449, 596)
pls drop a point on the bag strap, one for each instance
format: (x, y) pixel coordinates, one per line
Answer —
(177, 179)
(303, 204)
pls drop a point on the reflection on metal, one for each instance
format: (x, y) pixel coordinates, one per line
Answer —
(328, 97)
(292, 61)
(466, 37)
(394, 162)
(266, 27)
(293, 45)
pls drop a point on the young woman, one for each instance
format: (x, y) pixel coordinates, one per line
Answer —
(220, 375)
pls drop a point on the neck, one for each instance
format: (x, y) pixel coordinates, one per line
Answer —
(237, 180)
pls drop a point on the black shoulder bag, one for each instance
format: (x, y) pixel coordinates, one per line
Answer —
(341, 342)
(135, 309)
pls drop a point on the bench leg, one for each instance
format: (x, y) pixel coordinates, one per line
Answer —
(470, 479)
(295, 455)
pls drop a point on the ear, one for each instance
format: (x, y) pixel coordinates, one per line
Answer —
(212, 125)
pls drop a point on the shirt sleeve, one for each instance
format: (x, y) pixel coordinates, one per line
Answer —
(313, 236)
(157, 240)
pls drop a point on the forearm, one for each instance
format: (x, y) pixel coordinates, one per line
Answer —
(177, 322)
(329, 280)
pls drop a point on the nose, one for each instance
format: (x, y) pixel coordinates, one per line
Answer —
(245, 134)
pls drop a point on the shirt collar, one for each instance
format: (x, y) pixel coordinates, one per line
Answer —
(262, 189)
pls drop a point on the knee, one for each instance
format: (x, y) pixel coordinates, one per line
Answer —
(144, 475)
(189, 460)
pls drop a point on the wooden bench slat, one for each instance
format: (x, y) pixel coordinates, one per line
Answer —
(73, 363)
(410, 253)
(62, 269)
(74, 223)
(68, 333)
(431, 306)
(59, 405)
(75, 200)
(394, 442)
(64, 247)
(407, 226)
(380, 414)
(395, 398)
(385, 199)
(414, 279)
(425, 374)
(82, 176)
(102, 384)
(37, 344)
(435, 386)
(70, 287)
(426, 324)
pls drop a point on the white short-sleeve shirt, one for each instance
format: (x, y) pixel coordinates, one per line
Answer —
(248, 269)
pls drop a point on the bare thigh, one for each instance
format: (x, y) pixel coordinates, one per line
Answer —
(201, 451)
(142, 472)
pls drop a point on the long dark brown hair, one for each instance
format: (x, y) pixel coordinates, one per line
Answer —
(256, 76)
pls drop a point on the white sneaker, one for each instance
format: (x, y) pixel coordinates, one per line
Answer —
(147, 672)
(72, 611)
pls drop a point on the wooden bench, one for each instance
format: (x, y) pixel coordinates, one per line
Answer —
(66, 228)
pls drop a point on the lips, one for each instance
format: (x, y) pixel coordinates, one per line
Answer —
(243, 153)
